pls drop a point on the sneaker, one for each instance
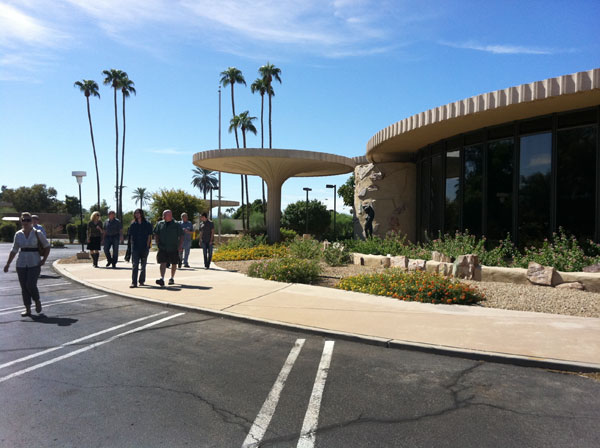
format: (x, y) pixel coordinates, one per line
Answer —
(186, 265)
(133, 285)
(26, 313)
(160, 282)
(38, 306)
(171, 281)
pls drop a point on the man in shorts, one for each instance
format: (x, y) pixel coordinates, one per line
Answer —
(169, 240)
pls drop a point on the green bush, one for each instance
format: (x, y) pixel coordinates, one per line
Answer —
(288, 269)
(249, 253)
(287, 234)
(244, 242)
(418, 286)
(227, 226)
(309, 249)
(7, 231)
(336, 254)
(82, 233)
(58, 244)
(71, 232)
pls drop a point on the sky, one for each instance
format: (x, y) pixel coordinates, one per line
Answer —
(349, 68)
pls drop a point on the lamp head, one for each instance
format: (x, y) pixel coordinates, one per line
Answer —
(330, 186)
(79, 175)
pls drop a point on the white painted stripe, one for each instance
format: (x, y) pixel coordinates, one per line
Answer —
(76, 341)
(47, 303)
(62, 302)
(311, 418)
(85, 349)
(39, 286)
(261, 423)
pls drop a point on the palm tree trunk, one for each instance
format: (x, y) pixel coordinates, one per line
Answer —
(262, 145)
(122, 166)
(116, 154)
(270, 134)
(237, 142)
(94, 149)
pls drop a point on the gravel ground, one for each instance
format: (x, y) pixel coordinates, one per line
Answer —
(506, 296)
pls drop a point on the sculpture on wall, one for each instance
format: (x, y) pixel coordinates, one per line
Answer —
(370, 212)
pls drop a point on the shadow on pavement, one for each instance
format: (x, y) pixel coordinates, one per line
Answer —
(60, 321)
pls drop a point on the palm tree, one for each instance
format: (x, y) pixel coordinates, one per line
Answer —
(90, 87)
(259, 85)
(141, 195)
(113, 78)
(234, 123)
(204, 180)
(230, 77)
(269, 73)
(246, 125)
(127, 88)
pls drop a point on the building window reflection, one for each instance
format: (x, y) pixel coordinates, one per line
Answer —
(452, 206)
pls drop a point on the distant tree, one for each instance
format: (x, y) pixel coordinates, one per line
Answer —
(140, 195)
(90, 88)
(178, 201)
(260, 86)
(127, 88)
(246, 125)
(346, 192)
(204, 180)
(269, 73)
(294, 217)
(37, 198)
(104, 207)
(72, 205)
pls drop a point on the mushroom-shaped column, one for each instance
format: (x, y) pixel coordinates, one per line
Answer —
(274, 166)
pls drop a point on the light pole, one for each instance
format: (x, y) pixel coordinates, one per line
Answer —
(80, 175)
(219, 195)
(307, 190)
(334, 194)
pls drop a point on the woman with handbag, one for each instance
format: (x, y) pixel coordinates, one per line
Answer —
(33, 249)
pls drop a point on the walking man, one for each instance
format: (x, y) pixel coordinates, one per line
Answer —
(169, 240)
(36, 224)
(140, 238)
(188, 230)
(113, 235)
(207, 227)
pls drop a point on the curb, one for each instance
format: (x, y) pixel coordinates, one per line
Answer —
(456, 352)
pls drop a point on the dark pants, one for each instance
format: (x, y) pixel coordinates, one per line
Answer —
(207, 250)
(138, 258)
(111, 241)
(28, 278)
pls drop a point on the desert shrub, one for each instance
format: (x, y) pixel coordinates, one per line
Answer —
(457, 244)
(393, 244)
(58, 244)
(414, 286)
(227, 226)
(244, 242)
(7, 231)
(336, 254)
(501, 255)
(288, 269)
(71, 232)
(309, 249)
(287, 235)
(249, 253)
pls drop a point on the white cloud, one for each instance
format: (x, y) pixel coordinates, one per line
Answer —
(499, 49)
(18, 28)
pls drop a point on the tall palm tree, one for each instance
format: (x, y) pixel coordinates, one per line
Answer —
(246, 125)
(127, 89)
(113, 78)
(269, 73)
(141, 195)
(90, 88)
(230, 77)
(260, 86)
(234, 123)
(204, 180)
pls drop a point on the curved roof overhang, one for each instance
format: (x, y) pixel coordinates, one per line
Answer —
(401, 140)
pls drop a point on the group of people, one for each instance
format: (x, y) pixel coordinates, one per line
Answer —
(173, 240)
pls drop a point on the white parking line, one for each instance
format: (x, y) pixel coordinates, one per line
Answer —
(76, 341)
(261, 423)
(311, 419)
(47, 303)
(85, 349)
(39, 286)
(56, 302)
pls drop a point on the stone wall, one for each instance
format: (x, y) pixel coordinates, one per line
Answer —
(390, 188)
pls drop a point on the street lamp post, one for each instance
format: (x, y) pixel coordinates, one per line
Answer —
(334, 213)
(307, 190)
(80, 175)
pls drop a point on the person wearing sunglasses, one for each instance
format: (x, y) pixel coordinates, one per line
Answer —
(27, 244)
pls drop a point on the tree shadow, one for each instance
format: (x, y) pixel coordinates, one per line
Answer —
(60, 321)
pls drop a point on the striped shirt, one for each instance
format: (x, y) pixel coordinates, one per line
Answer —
(28, 259)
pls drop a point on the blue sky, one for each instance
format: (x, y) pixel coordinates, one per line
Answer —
(349, 68)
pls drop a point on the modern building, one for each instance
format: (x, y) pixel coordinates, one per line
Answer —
(522, 161)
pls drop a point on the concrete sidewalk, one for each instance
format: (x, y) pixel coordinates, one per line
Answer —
(525, 338)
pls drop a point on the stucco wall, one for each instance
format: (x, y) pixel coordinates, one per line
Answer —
(390, 188)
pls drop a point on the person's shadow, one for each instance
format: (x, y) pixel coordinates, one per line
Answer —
(60, 321)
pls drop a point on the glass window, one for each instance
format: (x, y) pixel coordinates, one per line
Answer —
(437, 199)
(424, 194)
(473, 195)
(534, 188)
(452, 207)
(577, 118)
(576, 180)
(499, 189)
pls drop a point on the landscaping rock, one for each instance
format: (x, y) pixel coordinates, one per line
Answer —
(571, 285)
(438, 256)
(445, 269)
(592, 268)
(416, 265)
(432, 266)
(371, 260)
(466, 266)
(541, 275)
(399, 262)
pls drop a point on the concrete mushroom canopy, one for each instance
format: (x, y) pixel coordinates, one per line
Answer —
(274, 166)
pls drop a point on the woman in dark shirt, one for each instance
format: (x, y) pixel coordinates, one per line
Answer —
(94, 237)
(140, 238)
